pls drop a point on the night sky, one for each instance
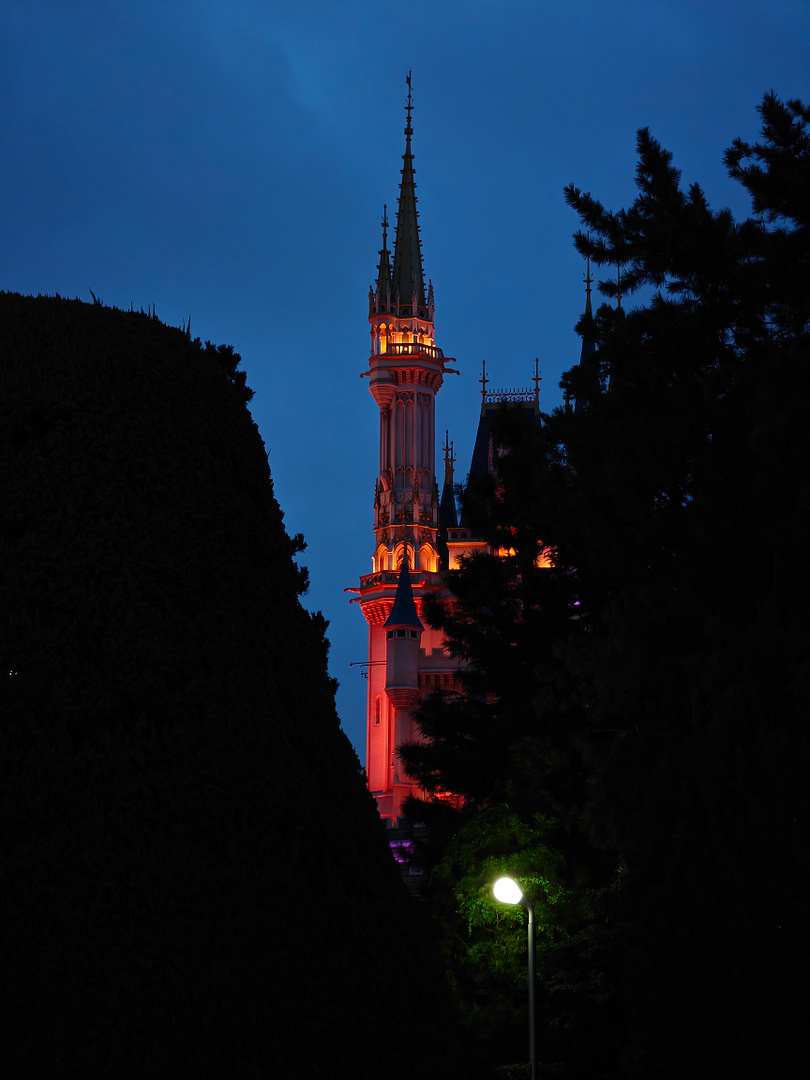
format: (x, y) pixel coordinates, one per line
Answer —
(229, 160)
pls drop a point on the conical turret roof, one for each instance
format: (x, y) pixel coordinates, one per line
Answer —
(403, 613)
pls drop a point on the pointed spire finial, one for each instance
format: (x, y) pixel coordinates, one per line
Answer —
(538, 378)
(483, 380)
(588, 283)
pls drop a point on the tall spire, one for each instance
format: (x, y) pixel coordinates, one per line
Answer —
(408, 280)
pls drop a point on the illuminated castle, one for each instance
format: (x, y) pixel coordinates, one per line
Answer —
(416, 533)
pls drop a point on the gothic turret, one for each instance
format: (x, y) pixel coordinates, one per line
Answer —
(402, 631)
(405, 371)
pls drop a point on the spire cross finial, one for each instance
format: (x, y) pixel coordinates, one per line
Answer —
(483, 380)
(538, 378)
(588, 283)
(409, 105)
(385, 225)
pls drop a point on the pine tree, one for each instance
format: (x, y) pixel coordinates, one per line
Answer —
(689, 467)
(636, 718)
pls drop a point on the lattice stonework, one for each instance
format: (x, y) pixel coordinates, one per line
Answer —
(377, 611)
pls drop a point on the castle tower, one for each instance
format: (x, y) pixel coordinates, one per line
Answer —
(405, 372)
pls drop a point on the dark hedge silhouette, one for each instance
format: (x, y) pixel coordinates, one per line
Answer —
(194, 879)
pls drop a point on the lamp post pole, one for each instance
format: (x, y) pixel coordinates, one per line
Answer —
(532, 981)
(509, 892)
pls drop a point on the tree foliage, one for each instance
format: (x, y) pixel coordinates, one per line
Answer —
(642, 708)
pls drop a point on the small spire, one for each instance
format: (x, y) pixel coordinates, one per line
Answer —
(483, 380)
(448, 518)
(587, 354)
(449, 459)
(383, 293)
(588, 343)
(538, 378)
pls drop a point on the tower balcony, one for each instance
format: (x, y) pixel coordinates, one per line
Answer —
(377, 591)
(410, 348)
(388, 579)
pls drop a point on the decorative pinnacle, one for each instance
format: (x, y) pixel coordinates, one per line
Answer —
(409, 105)
(588, 283)
(382, 294)
(538, 378)
(483, 380)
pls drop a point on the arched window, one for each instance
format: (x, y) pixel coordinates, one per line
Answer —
(381, 559)
(428, 559)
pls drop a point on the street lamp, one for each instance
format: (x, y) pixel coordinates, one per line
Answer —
(509, 892)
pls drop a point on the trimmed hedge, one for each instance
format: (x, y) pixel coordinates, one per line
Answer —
(195, 880)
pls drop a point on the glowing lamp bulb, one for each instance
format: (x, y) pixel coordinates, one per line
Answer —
(507, 891)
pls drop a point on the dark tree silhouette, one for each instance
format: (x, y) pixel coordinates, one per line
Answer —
(195, 880)
(660, 733)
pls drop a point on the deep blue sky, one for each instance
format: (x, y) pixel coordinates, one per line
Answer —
(229, 160)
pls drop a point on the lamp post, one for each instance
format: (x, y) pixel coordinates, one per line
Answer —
(509, 892)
